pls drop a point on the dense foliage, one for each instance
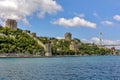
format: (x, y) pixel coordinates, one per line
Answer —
(15, 41)
(93, 50)
(61, 47)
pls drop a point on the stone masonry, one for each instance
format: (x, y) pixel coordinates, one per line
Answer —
(12, 24)
(68, 36)
(48, 49)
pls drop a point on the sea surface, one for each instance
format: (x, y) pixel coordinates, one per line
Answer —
(61, 68)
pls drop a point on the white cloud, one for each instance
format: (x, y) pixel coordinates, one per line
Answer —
(95, 14)
(59, 37)
(74, 22)
(107, 22)
(86, 41)
(96, 40)
(116, 17)
(48, 6)
(21, 9)
(111, 42)
(79, 15)
(92, 40)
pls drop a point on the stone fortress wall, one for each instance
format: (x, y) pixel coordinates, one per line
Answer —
(10, 23)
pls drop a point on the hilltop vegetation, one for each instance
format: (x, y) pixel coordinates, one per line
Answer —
(62, 47)
(15, 41)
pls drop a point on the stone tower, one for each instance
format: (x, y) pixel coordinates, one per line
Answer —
(68, 36)
(12, 24)
(48, 49)
(74, 46)
(113, 51)
(33, 34)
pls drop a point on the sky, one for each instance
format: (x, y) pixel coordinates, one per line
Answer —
(84, 19)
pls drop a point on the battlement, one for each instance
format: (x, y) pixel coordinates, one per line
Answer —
(33, 34)
(12, 24)
(68, 36)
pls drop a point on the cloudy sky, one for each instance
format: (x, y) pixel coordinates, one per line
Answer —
(85, 19)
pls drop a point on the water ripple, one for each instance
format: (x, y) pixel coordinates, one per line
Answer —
(61, 68)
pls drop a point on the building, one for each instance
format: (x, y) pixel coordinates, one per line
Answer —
(12, 24)
(68, 36)
(113, 51)
(33, 34)
(74, 46)
(26, 31)
(48, 49)
(76, 40)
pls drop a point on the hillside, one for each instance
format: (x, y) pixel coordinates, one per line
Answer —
(62, 47)
(15, 41)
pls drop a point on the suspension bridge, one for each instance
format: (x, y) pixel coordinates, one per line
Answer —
(101, 40)
(111, 46)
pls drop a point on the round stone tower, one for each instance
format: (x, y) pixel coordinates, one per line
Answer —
(12, 24)
(48, 49)
(68, 36)
(33, 34)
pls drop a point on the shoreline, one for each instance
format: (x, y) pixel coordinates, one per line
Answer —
(39, 56)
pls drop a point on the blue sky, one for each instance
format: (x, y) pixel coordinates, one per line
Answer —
(94, 11)
(85, 19)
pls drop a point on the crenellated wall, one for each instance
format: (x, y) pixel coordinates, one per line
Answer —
(68, 36)
(12, 24)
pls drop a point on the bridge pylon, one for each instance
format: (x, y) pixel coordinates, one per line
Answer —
(100, 39)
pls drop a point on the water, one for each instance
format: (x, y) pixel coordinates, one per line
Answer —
(61, 68)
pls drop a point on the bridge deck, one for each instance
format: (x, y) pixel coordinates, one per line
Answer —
(112, 45)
